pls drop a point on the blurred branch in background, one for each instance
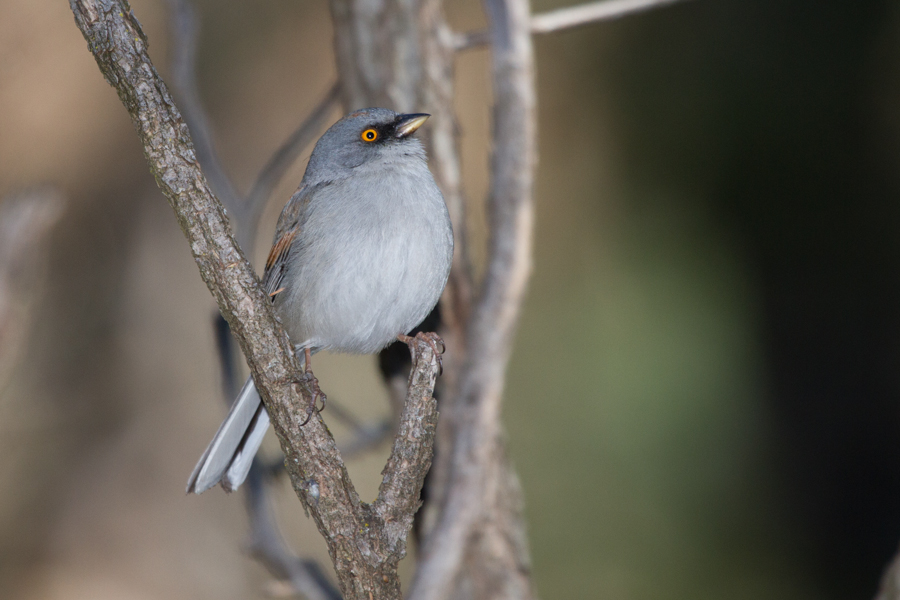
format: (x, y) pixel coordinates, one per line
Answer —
(584, 14)
(245, 211)
(481, 532)
(569, 18)
(274, 170)
(184, 34)
(26, 221)
(890, 582)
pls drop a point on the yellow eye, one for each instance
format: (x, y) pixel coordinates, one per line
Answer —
(369, 135)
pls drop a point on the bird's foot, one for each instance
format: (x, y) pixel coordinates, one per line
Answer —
(430, 338)
(310, 380)
(317, 394)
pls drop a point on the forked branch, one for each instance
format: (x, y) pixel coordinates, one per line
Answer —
(365, 542)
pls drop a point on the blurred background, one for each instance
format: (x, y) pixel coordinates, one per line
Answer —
(704, 399)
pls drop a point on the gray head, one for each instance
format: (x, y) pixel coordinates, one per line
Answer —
(372, 136)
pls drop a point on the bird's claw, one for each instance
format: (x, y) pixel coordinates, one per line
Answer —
(430, 338)
(317, 393)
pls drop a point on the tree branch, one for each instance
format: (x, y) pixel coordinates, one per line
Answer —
(493, 324)
(364, 548)
(245, 211)
(585, 14)
(266, 544)
(568, 18)
(185, 29)
(437, 96)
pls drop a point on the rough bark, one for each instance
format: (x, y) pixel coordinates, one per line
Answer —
(365, 541)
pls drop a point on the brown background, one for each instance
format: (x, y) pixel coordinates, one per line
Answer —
(703, 401)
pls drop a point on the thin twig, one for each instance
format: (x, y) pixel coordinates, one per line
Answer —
(584, 14)
(568, 18)
(366, 542)
(246, 212)
(495, 315)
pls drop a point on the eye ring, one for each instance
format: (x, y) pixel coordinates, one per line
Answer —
(369, 135)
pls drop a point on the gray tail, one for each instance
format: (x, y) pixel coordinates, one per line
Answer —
(230, 453)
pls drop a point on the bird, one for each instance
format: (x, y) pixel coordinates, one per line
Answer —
(361, 254)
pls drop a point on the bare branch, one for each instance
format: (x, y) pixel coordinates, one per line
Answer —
(185, 29)
(568, 18)
(364, 548)
(494, 318)
(398, 496)
(437, 95)
(245, 211)
(266, 544)
(584, 14)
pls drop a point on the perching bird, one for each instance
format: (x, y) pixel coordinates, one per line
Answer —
(361, 254)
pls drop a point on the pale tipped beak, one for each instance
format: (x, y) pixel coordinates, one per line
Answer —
(408, 124)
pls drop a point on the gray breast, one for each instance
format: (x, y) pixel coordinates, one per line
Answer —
(371, 260)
